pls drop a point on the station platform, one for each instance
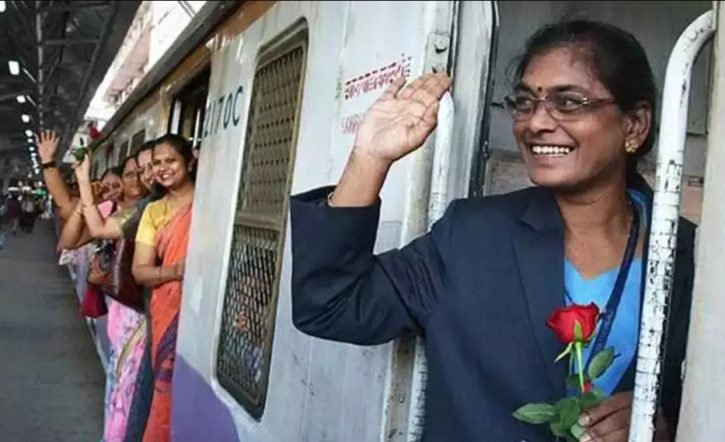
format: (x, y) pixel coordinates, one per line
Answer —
(51, 378)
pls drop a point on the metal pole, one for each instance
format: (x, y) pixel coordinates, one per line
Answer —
(187, 8)
(85, 83)
(665, 217)
(439, 197)
(41, 80)
(701, 414)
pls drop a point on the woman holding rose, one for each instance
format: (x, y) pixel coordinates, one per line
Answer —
(494, 285)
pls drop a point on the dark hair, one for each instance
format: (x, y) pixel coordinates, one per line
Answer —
(615, 57)
(149, 145)
(125, 162)
(183, 147)
(118, 171)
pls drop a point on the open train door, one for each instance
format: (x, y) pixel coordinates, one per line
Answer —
(461, 40)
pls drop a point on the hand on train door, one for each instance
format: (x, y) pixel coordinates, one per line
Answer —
(401, 120)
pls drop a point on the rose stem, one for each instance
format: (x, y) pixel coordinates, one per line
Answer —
(580, 362)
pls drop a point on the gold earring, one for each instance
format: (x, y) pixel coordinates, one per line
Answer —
(631, 146)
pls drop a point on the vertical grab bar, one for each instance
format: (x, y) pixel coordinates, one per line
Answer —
(437, 203)
(480, 154)
(440, 56)
(441, 160)
(665, 218)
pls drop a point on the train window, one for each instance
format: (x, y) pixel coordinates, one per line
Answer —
(189, 108)
(105, 158)
(250, 297)
(95, 169)
(118, 154)
(175, 120)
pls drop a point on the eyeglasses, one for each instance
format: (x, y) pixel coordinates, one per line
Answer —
(561, 106)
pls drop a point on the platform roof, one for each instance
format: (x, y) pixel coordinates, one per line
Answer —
(54, 54)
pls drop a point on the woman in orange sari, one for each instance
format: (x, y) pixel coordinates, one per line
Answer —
(162, 237)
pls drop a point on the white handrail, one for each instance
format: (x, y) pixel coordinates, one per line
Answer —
(665, 217)
(441, 160)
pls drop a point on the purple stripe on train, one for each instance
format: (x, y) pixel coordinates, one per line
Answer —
(197, 413)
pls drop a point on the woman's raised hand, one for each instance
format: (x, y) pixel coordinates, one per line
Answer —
(401, 120)
(83, 168)
(47, 145)
(398, 123)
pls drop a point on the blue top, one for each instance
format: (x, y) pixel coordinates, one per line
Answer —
(625, 329)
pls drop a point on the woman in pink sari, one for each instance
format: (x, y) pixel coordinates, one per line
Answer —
(163, 235)
(125, 326)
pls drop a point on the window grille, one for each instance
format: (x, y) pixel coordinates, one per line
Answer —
(250, 298)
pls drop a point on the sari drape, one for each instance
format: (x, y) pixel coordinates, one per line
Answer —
(129, 338)
(171, 244)
(125, 372)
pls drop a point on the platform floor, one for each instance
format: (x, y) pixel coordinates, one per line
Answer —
(51, 378)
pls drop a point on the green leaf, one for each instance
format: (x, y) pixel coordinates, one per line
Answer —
(578, 332)
(577, 431)
(80, 153)
(568, 410)
(601, 363)
(566, 352)
(599, 393)
(535, 413)
(560, 404)
(589, 400)
(558, 430)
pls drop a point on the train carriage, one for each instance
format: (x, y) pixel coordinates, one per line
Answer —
(273, 92)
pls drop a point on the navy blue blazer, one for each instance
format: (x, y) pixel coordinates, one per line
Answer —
(479, 286)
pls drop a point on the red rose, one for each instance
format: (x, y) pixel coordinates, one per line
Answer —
(563, 321)
(95, 133)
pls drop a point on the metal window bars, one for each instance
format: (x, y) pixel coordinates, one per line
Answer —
(250, 298)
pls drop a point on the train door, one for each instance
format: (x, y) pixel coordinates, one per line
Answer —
(286, 95)
(188, 108)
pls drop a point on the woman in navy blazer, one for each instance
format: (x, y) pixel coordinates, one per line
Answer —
(481, 284)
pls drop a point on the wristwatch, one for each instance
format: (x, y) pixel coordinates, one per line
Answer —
(48, 165)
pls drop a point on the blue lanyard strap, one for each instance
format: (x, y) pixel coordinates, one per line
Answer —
(610, 311)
